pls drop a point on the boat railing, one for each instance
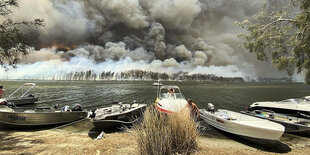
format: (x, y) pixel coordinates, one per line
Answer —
(24, 94)
(303, 115)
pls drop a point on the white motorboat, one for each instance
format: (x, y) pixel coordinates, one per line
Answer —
(117, 115)
(157, 83)
(242, 125)
(170, 99)
(294, 107)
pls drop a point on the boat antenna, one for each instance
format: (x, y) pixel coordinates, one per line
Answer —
(158, 81)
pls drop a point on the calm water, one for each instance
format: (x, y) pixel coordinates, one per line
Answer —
(92, 94)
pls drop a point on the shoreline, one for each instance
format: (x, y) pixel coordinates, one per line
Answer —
(77, 140)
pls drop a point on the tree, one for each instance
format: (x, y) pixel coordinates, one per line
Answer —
(282, 34)
(13, 42)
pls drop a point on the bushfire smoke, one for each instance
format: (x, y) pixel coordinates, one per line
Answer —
(195, 36)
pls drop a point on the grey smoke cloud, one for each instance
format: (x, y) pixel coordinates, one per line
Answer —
(170, 33)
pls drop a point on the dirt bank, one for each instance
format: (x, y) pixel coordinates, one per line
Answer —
(59, 141)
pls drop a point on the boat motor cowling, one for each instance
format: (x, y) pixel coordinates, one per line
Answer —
(210, 107)
(77, 107)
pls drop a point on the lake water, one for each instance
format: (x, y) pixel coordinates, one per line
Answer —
(92, 94)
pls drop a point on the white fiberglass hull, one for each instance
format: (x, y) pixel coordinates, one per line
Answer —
(171, 105)
(243, 125)
(289, 106)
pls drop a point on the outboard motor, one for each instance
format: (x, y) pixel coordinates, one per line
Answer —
(210, 107)
(92, 113)
(77, 107)
(3, 102)
(55, 107)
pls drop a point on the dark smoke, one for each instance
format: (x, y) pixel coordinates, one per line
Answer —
(194, 34)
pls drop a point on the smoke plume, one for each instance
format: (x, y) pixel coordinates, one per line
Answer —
(195, 36)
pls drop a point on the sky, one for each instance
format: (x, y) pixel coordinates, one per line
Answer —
(194, 36)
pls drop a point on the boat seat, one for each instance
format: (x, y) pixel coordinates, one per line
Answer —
(126, 105)
(134, 105)
(115, 108)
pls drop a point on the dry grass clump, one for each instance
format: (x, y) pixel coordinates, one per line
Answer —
(160, 133)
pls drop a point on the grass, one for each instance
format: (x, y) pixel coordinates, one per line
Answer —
(160, 133)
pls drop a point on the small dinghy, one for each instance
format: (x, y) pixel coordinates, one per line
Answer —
(170, 100)
(25, 98)
(117, 115)
(40, 116)
(242, 125)
(292, 124)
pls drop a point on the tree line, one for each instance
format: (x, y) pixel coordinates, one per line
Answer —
(146, 75)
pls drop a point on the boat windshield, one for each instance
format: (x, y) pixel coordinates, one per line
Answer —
(171, 96)
(307, 99)
(295, 100)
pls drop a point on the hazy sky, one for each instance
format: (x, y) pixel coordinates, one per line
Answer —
(198, 36)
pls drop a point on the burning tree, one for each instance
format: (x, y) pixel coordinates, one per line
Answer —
(13, 42)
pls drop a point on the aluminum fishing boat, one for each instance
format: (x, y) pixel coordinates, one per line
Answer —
(25, 98)
(292, 124)
(242, 125)
(40, 116)
(294, 107)
(117, 115)
(170, 99)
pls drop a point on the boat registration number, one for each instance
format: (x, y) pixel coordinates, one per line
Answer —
(17, 118)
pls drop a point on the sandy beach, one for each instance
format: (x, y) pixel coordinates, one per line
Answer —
(73, 140)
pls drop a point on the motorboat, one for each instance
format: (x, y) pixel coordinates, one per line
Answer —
(20, 116)
(25, 98)
(295, 106)
(292, 124)
(157, 83)
(241, 124)
(170, 99)
(117, 115)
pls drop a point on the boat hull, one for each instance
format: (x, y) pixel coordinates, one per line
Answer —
(22, 100)
(40, 119)
(290, 127)
(171, 106)
(254, 130)
(125, 118)
(109, 124)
